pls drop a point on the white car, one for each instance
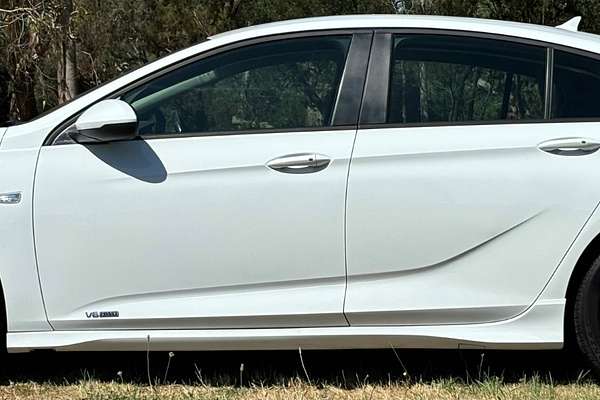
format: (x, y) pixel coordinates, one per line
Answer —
(338, 182)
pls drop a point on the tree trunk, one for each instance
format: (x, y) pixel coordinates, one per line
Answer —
(4, 96)
(20, 71)
(67, 62)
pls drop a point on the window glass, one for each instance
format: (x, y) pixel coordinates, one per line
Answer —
(576, 91)
(437, 78)
(276, 85)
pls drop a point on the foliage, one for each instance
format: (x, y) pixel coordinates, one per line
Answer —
(54, 49)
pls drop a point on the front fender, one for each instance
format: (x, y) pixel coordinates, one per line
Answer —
(18, 269)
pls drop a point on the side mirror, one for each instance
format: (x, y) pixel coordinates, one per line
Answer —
(106, 121)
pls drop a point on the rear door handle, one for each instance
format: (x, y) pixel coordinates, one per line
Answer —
(301, 163)
(570, 146)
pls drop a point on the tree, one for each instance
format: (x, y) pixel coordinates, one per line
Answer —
(53, 49)
(19, 54)
(4, 96)
(66, 70)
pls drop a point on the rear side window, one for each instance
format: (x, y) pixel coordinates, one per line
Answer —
(283, 84)
(438, 78)
(576, 86)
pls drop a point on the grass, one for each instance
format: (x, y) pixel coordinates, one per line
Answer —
(351, 375)
(296, 389)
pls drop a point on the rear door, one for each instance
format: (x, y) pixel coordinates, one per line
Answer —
(228, 213)
(463, 193)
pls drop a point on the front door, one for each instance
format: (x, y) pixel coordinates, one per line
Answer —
(229, 212)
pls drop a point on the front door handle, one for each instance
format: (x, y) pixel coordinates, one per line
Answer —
(301, 163)
(570, 146)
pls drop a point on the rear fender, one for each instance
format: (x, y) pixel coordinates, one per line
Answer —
(558, 284)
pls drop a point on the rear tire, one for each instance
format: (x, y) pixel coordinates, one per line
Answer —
(586, 315)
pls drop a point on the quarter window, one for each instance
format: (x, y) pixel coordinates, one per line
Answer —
(436, 78)
(576, 89)
(283, 84)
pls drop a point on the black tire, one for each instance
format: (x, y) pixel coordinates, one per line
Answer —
(586, 315)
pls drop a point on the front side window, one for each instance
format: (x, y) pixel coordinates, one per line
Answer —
(453, 79)
(283, 84)
(576, 90)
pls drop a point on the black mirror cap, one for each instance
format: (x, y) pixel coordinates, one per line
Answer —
(105, 134)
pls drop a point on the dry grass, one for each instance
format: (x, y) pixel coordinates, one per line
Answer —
(358, 375)
(297, 390)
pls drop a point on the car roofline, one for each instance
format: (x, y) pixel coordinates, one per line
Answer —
(548, 34)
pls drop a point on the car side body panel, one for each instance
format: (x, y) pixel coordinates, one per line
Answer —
(474, 230)
(530, 319)
(198, 232)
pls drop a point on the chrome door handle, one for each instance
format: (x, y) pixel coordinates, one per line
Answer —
(570, 146)
(302, 163)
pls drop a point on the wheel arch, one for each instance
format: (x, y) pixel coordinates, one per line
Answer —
(583, 264)
(3, 319)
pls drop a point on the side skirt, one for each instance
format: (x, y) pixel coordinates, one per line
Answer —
(540, 327)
